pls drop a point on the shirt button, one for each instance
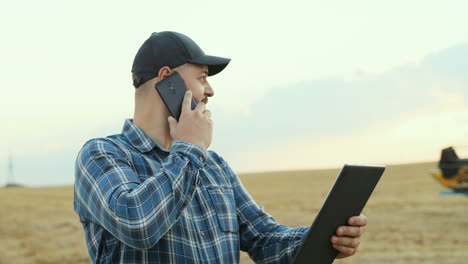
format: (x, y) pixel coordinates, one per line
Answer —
(222, 190)
(202, 233)
(201, 159)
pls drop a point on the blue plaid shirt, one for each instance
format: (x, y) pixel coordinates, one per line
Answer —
(139, 203)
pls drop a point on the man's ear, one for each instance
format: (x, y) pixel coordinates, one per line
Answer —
(164, 72)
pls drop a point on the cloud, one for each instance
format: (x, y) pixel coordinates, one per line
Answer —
(403, 115)
(417, 136)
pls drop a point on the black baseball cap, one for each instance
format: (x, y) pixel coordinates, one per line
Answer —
(171, 49)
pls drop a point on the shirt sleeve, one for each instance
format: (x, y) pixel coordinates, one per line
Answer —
(139, 213)
(265, 240)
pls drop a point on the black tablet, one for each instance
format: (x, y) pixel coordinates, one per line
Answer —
(347, 198)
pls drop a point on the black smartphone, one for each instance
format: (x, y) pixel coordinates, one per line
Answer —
(172, 91)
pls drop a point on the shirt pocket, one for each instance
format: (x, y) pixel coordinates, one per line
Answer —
(225, 207)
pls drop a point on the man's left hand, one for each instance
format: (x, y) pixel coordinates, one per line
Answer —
(347, 238)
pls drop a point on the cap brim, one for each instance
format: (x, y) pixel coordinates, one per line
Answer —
(215, 64)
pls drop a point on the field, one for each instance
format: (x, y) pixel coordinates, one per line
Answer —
(409, 221)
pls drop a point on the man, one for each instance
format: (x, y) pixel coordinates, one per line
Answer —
(155, 194)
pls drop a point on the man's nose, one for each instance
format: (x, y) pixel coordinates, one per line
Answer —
(209, 92)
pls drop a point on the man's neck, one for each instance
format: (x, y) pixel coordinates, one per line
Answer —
(155, 125)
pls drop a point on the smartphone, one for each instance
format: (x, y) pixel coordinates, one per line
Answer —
(172, 91)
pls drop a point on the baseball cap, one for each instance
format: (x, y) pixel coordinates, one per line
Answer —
(171, 49)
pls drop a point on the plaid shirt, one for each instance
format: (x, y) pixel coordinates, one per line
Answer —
(139, 203)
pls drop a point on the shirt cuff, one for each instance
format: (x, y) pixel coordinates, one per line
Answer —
(195, 153)
(305, 232)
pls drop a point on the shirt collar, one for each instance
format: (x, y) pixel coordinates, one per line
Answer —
(138, 138)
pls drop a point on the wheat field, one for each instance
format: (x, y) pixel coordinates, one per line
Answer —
(409, 220)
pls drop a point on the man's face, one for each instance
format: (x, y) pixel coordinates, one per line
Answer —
(195, 78)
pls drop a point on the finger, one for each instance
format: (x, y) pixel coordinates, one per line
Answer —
(172, 123)
(187, 103)
(360, 220)
(200, 107)
(344, 251)
(345, 241)
(207, 113)
(351, 231)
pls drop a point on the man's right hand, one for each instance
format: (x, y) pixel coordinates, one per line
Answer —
(194, 126)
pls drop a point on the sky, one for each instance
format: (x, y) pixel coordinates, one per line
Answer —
(311, 84)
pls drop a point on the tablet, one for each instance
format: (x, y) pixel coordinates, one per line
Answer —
(347, 198)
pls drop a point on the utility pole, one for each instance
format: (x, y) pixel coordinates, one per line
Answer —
(11, 175)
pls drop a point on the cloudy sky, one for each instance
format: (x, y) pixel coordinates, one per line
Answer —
(312, 84)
